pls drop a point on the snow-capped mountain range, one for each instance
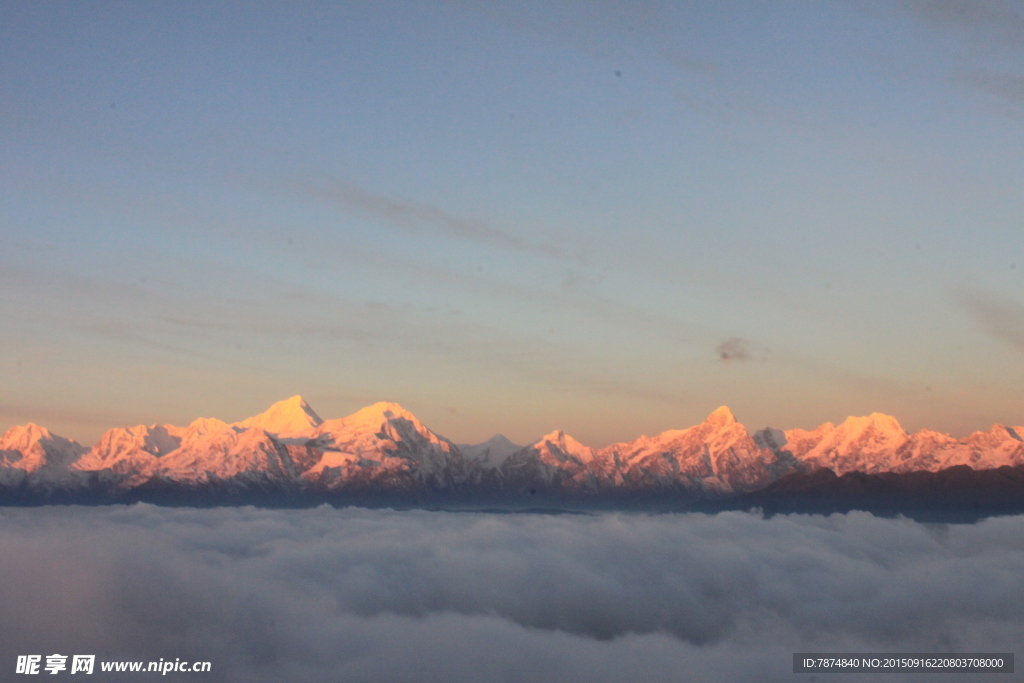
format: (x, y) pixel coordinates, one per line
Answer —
(384, 448)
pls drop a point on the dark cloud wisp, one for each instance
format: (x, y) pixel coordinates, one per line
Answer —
(410, 215)
(733, 349)
(1002, 319)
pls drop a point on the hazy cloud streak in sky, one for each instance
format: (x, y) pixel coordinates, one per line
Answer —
(989, 28)
(1007, 85)
(410, 215)
(984, 20)
(1003, 319)
(733, 349)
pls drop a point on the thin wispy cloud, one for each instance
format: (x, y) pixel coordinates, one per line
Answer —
(1000, 318)
(992, 32)
(981, 20)
(575, 293)
(411, 215)
(733, 349)
(1003, 84)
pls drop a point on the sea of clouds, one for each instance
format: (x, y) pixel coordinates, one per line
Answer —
(379, 595)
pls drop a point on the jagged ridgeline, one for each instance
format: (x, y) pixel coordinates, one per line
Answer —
(384, 455)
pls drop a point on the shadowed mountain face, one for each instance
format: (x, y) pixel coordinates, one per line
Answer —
(383, 450)
(955, 494)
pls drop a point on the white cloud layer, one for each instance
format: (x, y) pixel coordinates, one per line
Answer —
(361, 595)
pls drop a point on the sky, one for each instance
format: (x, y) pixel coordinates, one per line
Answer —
(604, 217)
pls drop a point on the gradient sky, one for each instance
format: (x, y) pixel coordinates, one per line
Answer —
(604, 217)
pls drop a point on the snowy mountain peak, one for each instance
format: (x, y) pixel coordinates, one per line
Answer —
(29, 436)
(207, 425)
(491, 453)
(23, 436)
(292, 416)
(377, 414)
(495, 449)
(499, 440)
(881, 424)
(863, 444)
(39, 448)
(995, 435)
(558, 442)
(721, 417)
(383, 420)
(1001, 432)
(557, 437)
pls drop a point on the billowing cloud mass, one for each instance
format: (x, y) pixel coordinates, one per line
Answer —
(359, 595)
